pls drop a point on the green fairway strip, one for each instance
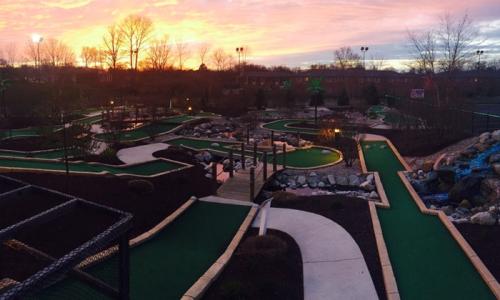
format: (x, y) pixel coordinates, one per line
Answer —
(281, 125)
(166, 266)
(428, 263)
(144, 169)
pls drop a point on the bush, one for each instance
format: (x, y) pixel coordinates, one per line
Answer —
(141, 186)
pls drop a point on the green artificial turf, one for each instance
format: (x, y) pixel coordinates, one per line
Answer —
(89, 120)
(308, 158)
(143, 169)
(427, 262)
(280, 125)
(205, 144)
(166, 266)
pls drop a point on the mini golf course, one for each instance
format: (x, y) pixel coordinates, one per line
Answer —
(163, 126)
(301, 158)
(166, 266)
(291, 126)
(45, 154)
(147, 169)
(427, 261)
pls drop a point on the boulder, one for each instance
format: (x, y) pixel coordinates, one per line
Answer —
(481, 147)
(427, 165)
(490, 189)
(370, 178)
(342, 180)
(301, 180)
(483, 218)
(496, 135)
(484, 137)
(367, 186)
(321, 184)
(373, 195)
(494, 158)
(465, 204)
(466, 188)
(496, 168)
(354, 180)
(448, 210)
(331, 179)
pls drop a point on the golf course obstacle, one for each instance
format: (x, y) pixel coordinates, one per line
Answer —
(427, 260)
(291, 126)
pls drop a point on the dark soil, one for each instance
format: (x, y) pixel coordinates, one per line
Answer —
(353, 215)
(33, 143)
(64, 234)
(418, 142)
(485, 240)
(251, 274)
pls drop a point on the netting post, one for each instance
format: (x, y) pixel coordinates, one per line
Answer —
(248, 134)
(254, 153)
(214, 171)
(284, 156)
(124, 267)
(275, 168)
(252, 183)
(264, 170)
(243, 156)
(272, 137)
(231, 163)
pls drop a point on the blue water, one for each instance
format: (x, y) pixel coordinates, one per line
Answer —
(479, 163)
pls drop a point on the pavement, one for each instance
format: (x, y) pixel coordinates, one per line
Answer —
(140, 154)
(333, 265)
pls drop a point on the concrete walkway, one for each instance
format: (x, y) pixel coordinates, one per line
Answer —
(140, 154)
(333, 265)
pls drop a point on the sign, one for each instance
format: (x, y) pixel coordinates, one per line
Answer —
(417, 94)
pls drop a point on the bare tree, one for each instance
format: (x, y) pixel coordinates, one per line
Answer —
(182, 52)
(159, 54)
(10, 53)
(113, 41)
(136, 31)
(377, 63)
(203, 52)
(222, 60)
(346, 59)
(424, 48)
(31, 52)
(456, 36)
(56, 53)
(87, 55)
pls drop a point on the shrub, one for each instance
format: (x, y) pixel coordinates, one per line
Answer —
(141, 186)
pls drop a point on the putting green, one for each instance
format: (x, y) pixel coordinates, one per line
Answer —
(166, 266)
(291, 126)
(300, 158)
(163, 126)
(428, 263)
(151, 168)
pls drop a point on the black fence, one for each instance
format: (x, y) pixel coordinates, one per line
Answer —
(61, 277)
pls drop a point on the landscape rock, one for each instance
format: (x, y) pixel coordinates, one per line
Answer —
(342, 180)
(354, 180)
(483, 218)
(496, 135)
(373, 195)
(448, 210)
(484, 137)
(367, 185)
(370, 177)
(466, 188)
(427, 165)
(331, 179)
(301, 180)
(494, 158)
(321, 184)
(496, 168)
(490, 189)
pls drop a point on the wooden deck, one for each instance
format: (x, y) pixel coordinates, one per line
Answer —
(238, 187)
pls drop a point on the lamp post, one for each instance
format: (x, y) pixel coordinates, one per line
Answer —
(37, 39)
(479, 53)
(239, 50)
(364, 49)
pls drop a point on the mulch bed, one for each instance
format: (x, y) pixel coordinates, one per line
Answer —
(251, 275)
(33, 143)
(353, 215)
(62, 235)
(485, 240)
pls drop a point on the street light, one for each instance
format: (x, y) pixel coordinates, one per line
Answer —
(239, 50)
(37, 39)
(364, 49)
(479, 53)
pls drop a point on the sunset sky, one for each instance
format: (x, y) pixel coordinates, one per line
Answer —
(293, 33)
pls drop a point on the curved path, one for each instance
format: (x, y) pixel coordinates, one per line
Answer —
(140, 154)
(333, 265)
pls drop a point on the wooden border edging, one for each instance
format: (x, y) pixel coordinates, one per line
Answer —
(391, 287)
(96, 258)
(381, 192)
(197, 290)
(462, 242)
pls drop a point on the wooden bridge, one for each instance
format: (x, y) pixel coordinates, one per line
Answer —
(241, 187)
